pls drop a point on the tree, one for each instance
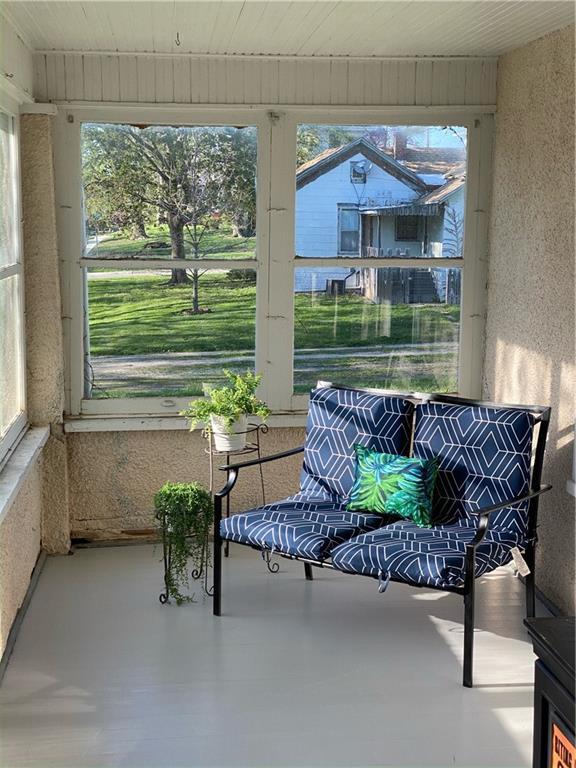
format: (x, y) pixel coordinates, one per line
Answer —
(189, 174)
(110, 182)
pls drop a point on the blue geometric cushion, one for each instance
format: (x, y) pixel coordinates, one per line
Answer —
(337, 420)
(298, 525)
(484, 457)
(426, 556)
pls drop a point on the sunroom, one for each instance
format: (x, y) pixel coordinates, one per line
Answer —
(376, 195)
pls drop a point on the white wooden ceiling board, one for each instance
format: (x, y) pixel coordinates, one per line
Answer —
(406, 82)
(128, 78)
(355, 82)
(146, 74)
(93, 78)
(338, 81)
(372, 86)
(252, 81)
(110, 78)
(277, 27)
(321, 33)
(423, 84)
(299, 23)
(40, 88)
(390, 82)
(56, 76)
(74, 74)
(181, 79)
(456, 83)
(269, 87)
(287, 81)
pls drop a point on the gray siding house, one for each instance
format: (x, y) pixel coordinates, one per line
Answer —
(358, 201)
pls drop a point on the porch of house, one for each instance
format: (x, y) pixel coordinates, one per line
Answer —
(94, 670)
(296, 673)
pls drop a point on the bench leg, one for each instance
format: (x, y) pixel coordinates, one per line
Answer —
(308, 572)
(216, 604)
(467, 678)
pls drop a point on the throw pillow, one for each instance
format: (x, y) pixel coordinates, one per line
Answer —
(397, 485)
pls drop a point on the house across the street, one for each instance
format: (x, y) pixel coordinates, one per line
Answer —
(360, 201)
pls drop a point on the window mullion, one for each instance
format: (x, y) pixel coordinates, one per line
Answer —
(280, 317)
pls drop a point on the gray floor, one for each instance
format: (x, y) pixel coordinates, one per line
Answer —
(328, 673)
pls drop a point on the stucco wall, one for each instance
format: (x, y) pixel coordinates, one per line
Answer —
(530, 328)
(114, 475)
(20, 533)
(44, 342)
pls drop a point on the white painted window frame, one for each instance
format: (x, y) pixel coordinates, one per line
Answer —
(276, 260)
(347, 207)
(19, 424)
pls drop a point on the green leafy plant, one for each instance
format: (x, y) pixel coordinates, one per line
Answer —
(185, 512)
(230, 402)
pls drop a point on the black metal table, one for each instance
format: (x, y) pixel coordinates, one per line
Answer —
(553, 641)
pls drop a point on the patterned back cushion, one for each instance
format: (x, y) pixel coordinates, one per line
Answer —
(484, 458)
(337, 420)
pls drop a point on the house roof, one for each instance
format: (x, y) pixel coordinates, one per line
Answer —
(427, 205)
(434, 160)
(333, 157)
(440, 194)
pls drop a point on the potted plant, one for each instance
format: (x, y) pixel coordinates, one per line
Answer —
(185, 513)
(225, 410)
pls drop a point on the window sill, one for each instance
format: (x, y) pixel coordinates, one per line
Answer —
(18, 466)
(152, 423)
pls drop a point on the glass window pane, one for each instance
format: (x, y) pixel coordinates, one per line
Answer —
(11, 395)
(390, 328)
(413, 192)
(8, 210)
(348, 219)
(162, 192)
(349, 242)
(148, 337)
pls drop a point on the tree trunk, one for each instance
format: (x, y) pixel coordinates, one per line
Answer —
(176, 226)
(138, 229)
(195, 297)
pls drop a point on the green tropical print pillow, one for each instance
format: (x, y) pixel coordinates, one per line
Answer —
(397, 485)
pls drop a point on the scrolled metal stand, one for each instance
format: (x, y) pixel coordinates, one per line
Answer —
(196, 574)
(252, 433)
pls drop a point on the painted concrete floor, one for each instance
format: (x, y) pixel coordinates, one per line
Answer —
(328, 673)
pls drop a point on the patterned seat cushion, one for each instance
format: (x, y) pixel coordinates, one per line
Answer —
(426, 556)
(299, 525)
(337, 420)
(484, 458)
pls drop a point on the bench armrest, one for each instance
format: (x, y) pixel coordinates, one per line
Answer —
(485, 512)
(262, 460)
(510, 502)
(232, 470)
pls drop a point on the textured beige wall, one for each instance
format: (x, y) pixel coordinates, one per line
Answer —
(20, 532)
(44, 344)
(530, 326)
(114, 475)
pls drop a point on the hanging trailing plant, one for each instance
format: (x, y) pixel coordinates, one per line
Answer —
(185, 512)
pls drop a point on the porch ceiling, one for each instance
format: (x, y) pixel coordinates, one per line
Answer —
(277, 27)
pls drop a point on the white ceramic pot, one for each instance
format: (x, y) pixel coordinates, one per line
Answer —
(227, 441)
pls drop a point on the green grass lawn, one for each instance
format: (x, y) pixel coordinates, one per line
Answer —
(142, 315)
(215, 244)
(137, 315)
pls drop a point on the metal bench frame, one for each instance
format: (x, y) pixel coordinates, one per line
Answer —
(541, 416)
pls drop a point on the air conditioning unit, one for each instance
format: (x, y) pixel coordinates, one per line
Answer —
(358, 172)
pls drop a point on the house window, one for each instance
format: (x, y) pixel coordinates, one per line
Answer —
(168, 265)
(358, 172)
(270, 275)
(348, 230)
(12, 395)
(407, 228)
(373, 324)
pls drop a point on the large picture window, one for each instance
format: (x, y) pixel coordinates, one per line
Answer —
(292, 243)
(12, 400)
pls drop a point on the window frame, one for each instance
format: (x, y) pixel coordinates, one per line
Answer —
(276, 256)
(397, 221)
(19, 424)
(348, 207)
